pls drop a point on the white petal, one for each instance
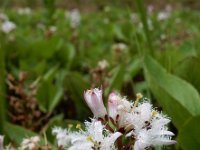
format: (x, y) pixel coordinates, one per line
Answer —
(1, 142)
(139, 146)
(109, 141)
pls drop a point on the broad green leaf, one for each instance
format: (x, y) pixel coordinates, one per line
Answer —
(178, 98)
(188, 69)
(50, 91)
(45, 93)
(17, 133)
(43, 48)
(189, 134)
(56, 98)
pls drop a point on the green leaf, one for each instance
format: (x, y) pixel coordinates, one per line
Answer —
(75, 84)
(17, 133)
(189, 134)
(2, 91)
(45, 93)
(179, 98)
(188, 69)
(50, 90)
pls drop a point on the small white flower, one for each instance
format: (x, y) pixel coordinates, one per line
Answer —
(150, 9)
(24, 11)
(40, 25)
(30, 143)
(149, 127)
(118, 107)
(163, 15)
(1, 142)
(103, 64)
(153, 137)
(7, 26)
(95, 137)
(53, 29)
(134, 17)
(163, 37)
(74, 18)
(140, 116)
(94, 100)
(3, 17)
(63, 136)
(149, 23)
(107, 9)
(119, 47)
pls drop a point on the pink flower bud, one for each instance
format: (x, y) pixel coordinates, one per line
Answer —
(94, 100)
(112, 105)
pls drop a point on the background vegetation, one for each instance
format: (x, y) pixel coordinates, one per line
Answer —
(49, 59)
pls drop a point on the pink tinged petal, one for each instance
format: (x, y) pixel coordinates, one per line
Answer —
(112, 105)
(94, 100)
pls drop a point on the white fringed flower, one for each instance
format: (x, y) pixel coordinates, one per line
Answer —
(163, 15)
(30, 143)
(103, 64)
(118, 107)
(24, 11)
(7, 26)
(94, 100)
(149, 127)
(119, 47)
(52, 29)
(63, 136)
(95, 137)
(74, 18)
(3, 17)
(157, 135)
(140, 116)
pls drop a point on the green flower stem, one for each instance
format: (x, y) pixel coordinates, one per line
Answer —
(2, 91)
(143, 15)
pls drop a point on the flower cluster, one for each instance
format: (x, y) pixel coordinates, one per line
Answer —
(6, 25)
(137, 122)
(30, 143)
(95, 137)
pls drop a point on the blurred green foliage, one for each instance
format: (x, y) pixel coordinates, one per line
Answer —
(161, 60)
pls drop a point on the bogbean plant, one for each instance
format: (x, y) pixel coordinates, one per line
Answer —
(125, 125)
(58, 50)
